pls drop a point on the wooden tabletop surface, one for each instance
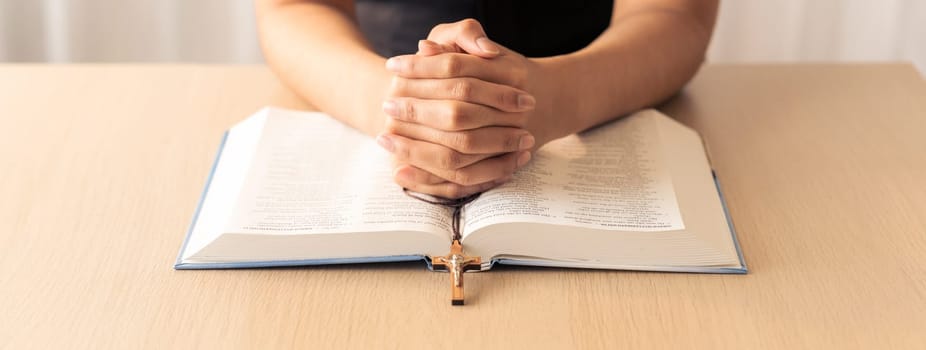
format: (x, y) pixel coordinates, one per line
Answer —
(823, 167)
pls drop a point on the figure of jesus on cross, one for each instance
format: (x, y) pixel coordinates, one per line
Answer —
(457, 263)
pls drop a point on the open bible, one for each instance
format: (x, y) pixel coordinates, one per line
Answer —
(300, 188)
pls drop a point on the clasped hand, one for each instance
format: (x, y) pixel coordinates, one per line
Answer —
(460, 114)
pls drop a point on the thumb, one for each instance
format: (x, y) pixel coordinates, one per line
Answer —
(465, 36)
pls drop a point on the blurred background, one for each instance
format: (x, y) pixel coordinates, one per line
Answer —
(223, 31)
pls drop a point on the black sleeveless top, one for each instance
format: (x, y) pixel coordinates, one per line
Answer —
(532, 28)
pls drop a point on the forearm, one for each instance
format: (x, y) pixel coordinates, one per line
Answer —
(317, 50)
(643, 58)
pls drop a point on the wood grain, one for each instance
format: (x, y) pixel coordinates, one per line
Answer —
(823, 166)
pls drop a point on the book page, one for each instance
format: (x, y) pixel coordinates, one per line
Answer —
(610, 178)
(312, 174)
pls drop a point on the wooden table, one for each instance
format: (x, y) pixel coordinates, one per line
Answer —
(824, 169)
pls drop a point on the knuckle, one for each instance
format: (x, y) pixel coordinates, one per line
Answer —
(518, 77)
(512, 165)
(409, 111)
(461, 89)
(408, 65)
(456, 117)
(469, 24)
(453, 65)
(463, 142)
(451, 160)
(508, 99)
(512, 142)
(402, 151)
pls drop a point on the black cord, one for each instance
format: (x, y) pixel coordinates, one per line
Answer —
(456, 204)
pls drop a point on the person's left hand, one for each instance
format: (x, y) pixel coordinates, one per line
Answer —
(505, 92)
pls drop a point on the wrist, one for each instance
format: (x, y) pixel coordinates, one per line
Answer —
(557, 103)
(377, 91)
(371, 89)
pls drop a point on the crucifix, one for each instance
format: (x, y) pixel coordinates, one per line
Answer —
(456, 262)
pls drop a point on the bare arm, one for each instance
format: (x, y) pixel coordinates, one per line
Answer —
(316, 48)
(651, 49)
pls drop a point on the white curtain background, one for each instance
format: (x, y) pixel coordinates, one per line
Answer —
(128, 31)
(223, 31)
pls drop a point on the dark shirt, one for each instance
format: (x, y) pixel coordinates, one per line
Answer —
(532, 28)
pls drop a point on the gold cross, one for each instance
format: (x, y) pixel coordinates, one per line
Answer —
(457, 263)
